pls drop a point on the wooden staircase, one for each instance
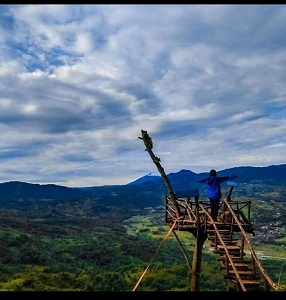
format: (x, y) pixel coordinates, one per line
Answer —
(228, 238)
(232, 257)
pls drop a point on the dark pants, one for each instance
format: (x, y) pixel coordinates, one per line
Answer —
(214, 203)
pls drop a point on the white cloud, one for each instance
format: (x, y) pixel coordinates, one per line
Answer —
(79, 82)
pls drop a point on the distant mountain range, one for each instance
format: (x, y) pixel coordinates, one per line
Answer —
(186, 179)
(147, 186)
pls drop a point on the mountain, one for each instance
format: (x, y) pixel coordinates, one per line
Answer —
(145, 190)
(144, 179)
(186, 179)
(17, 189)
(273, 174)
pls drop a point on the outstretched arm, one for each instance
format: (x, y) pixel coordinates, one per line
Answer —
(232, 177)
(225, 178)
(205, 180)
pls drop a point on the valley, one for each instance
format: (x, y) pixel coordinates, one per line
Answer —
(103, 241)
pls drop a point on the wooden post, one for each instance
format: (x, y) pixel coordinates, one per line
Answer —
(229, 193)
(200, 238)
(156, 160)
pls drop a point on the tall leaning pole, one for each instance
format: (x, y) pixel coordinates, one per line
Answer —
(200, 235)
(156, 160)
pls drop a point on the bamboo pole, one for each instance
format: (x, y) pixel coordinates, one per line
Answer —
(156, 160)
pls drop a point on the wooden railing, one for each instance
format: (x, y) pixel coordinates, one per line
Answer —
(247, 245)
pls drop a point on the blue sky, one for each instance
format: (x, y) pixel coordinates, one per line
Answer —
(79, 82)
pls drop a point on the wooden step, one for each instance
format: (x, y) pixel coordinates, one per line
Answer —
(237, 265)
(230, 248)
(229, 242)
(235, 259)
(219, 226)
(224, 238)
(233, 254)
(249, 284)
(221, 231)
(244, 274)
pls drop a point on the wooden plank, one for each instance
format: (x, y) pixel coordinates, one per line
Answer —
(234, 259)
(239, 266)
(221, 231)
(242, 273)
(229, 247)
(248, 282)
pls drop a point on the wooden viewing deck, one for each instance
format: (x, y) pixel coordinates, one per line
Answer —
(228, 238)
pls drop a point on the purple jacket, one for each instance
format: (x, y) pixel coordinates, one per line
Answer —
(213, 183)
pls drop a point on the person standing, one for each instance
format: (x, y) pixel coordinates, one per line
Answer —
(214, 190)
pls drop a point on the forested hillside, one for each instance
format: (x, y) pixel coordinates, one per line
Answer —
(104, 239)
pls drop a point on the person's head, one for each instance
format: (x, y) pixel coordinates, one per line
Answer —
(212, 172)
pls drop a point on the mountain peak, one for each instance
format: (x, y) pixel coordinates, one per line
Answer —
(145, 178)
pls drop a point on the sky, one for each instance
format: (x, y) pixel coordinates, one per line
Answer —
(79, 82)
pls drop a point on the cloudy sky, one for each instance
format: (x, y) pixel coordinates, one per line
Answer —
(79, 82)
